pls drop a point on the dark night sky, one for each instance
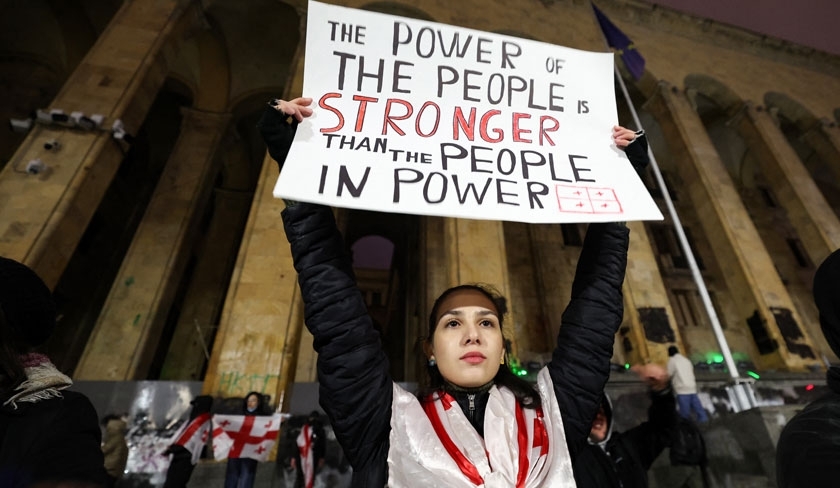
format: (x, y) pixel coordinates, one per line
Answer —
(810, 23)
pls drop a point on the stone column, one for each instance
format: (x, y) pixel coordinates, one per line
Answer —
(198, 321)
(42, 217)
(756, 289)
(475, 253)
(824, 138)
(647, 310)
(260, 324)
(263, 313)
(126, 335)
(815, 222)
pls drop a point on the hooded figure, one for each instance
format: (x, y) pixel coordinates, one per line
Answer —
(48, 434)
(622, 459)
(809, 446)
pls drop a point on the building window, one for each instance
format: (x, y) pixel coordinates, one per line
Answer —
(686, 308)
(669, 248)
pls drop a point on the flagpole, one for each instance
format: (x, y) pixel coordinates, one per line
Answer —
(741, 393)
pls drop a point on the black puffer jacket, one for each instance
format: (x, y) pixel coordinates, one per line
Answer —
(808, 452)
(623, 458)
(51, 441)
(355, 387)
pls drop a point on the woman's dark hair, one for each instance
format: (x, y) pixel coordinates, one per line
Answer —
(11, 368)
(433, 382)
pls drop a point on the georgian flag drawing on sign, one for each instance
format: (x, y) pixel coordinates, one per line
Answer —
(195, 435)
(245, 436)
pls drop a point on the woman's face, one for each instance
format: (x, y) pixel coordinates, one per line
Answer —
(252, 402)
(467, 343)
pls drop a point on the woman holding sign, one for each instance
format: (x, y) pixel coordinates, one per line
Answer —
(476, 424)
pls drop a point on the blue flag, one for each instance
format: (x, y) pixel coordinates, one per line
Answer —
(619, 41)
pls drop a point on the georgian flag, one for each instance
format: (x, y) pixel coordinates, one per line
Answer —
(195, 435)
(305, 443)
(245, 436)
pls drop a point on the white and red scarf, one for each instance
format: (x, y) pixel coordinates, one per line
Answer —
(43, 381)
(434, 444)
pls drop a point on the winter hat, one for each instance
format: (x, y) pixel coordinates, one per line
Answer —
(827, 298)
(26, 302)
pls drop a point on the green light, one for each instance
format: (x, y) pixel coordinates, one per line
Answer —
(626, 365)
(717, 358)
(522, 372)
(753, 374)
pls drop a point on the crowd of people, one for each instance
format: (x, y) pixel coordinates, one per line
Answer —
(472, 422)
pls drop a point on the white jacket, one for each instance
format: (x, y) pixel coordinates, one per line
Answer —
(682, 375)
(419, 457)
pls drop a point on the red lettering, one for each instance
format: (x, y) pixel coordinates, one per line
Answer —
(323, 104)
(458, 121)
(360, 114)
(389, 120)
(420, 115)
(544, 130)
(518, 131)
(485, 121)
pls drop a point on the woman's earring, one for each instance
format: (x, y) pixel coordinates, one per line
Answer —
(432, 361)
(502, 361)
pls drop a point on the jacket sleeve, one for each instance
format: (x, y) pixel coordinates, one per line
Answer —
(580, 365)
(649, 438)
(355, 387)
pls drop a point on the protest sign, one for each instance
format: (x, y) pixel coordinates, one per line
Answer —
(424, 118)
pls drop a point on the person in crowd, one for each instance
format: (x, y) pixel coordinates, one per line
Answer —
(114, 447)
(48, 434)
(682, 378)
(622, 459)
(187, 448)
(311, 450)
(809, 446)
(474, 423)
(241, 471)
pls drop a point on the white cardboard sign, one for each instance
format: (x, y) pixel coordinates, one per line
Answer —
(424, 118)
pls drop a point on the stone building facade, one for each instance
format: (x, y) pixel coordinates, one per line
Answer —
(165, 248)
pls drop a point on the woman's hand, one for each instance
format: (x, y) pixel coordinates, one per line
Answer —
(297, 108)
(654, 375)
(623, 137)
(278, 125)
(634, 145)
